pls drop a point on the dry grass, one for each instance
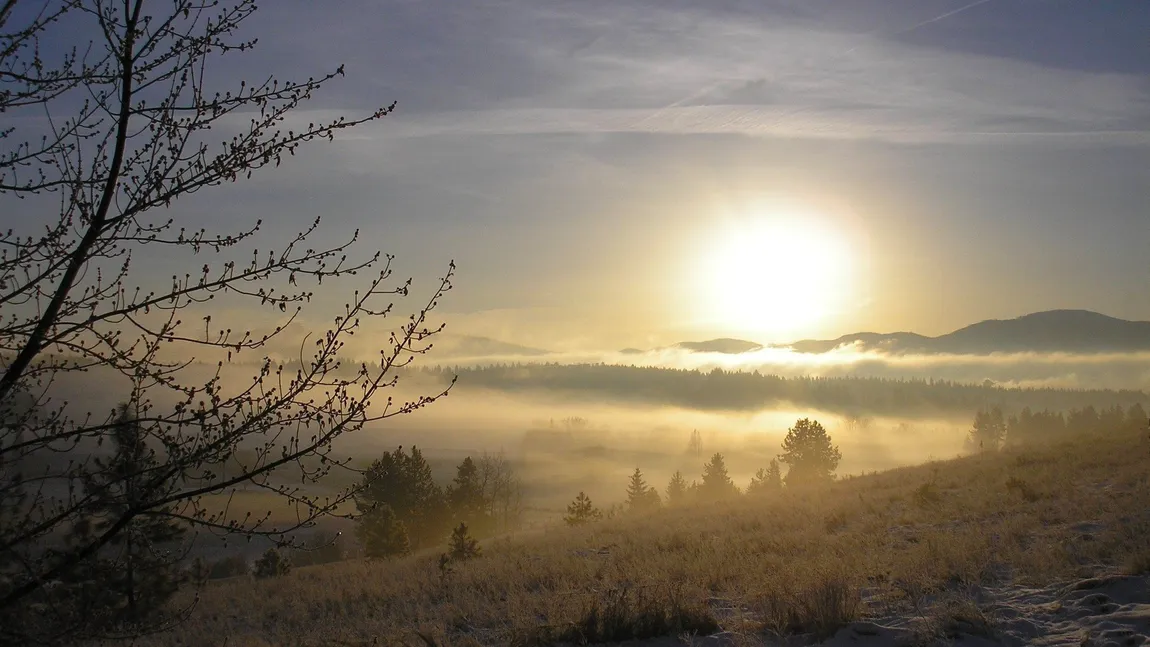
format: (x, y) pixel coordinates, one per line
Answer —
(801, 562)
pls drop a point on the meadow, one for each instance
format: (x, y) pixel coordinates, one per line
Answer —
(1028, 545)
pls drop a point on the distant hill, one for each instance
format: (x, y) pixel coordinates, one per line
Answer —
(470, 346)
(1069, 331)
(725, 345)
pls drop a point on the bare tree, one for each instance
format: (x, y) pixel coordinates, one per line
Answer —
(98, 141)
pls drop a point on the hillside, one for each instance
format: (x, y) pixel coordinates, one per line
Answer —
(1044, 545)
(1068, 331)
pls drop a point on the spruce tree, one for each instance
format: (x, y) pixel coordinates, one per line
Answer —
(677, 489)
(640, 496)
(581, 511)
(717, 483)
(808, 451)
(383, 535)
(466, 499)
(766, 480)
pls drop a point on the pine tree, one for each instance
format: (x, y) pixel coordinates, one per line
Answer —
(581, 511)
(808, 451)
(382, 533)
(466, 499)
(404, 482)
(677, 489)
(641, 497)
(766, 480)
(462, 545)
(988, 431)
(717, 483)
(139, 567)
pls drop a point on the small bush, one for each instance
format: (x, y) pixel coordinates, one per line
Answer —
(272, 564)
(821, 609)
(625, 613)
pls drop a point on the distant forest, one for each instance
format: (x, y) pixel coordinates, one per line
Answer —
(719, 390)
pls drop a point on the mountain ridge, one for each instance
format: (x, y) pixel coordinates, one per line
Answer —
(1072, 331)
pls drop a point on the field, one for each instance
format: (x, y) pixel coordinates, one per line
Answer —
(994, 548)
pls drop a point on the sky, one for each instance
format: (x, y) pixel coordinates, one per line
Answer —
(639, 172)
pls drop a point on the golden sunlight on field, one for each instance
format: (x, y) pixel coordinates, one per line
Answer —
(776, 269)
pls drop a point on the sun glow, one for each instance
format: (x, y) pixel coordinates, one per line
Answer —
(777, 272)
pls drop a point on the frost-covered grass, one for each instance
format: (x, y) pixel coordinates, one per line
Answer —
(916, 543)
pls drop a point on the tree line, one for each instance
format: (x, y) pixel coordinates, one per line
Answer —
(991, 429)
(807, 451)
(722, 390)
(401, 507)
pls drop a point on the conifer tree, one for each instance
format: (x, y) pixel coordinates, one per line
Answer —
(717, 483)
(677, 489)
(466, 498)
(581, 511)
(462, 545)
(404, 482)
(766, 480)
(640, 496)
(988, 431)
(138, 569)
(808, 451)
(383, 535)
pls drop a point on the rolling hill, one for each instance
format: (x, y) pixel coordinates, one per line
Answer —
(1069, 331)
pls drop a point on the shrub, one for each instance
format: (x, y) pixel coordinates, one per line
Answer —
(272, 564)
(821, 609)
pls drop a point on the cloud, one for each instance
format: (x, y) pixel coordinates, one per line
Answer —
(628, 67)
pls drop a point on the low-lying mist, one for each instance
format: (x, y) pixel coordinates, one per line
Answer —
(1129, 370)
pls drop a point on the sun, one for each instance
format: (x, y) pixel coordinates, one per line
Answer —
(776, 272)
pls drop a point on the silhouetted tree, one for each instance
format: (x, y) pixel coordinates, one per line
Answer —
(107, 137)
(988, 431)
(677, 489)
(808, 451)
(641, 497)
(462, 545)
(695, 445)
(466, 498)
(1136, 419)
(271, 564)
(766, 480)
(717, 483)
(581, 511)
(382, 533)
(502, 491)
(404, 483)
(138, 570)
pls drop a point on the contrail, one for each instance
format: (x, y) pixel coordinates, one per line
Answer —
(942, 16)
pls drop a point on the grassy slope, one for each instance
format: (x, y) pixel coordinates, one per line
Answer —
(910, 541)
